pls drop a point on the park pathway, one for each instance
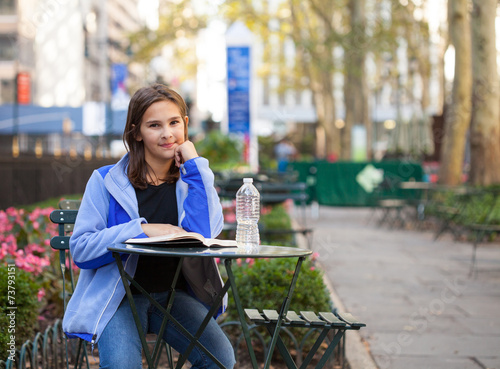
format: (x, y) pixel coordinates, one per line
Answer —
(421, 308)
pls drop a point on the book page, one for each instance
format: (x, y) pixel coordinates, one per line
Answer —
(183, 237)
(214, 242)
(168, 238)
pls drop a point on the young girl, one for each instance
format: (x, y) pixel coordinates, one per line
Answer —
(161, 186)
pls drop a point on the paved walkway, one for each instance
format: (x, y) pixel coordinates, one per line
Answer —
(421, 308)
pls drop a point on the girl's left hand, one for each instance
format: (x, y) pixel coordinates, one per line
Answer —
(184, 152)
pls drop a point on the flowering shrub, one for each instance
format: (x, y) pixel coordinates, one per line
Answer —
(25, 238)
(25, 242)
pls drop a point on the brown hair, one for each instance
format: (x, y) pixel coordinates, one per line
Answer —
(138, 168)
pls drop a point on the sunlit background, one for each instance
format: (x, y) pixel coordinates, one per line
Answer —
(78, 62)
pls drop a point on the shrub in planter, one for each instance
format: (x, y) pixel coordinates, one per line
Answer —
(271, 217)
(276, 217)
(263, 284)
(17, 289)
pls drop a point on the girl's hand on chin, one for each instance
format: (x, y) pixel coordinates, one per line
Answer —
(184, 152)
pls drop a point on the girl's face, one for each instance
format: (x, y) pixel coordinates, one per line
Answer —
(162, 131)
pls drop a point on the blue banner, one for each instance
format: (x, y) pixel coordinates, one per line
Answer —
(119, 74)
(238, 89)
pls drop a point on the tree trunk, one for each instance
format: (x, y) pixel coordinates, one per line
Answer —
(485, 125)
(355, 85)
(322, 87)
(458, 115)
(311, 34)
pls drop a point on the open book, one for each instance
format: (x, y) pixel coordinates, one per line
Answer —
(181, 238)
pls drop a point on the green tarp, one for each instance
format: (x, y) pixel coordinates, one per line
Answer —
(357, 184)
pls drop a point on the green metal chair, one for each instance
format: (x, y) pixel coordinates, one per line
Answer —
(65, 218)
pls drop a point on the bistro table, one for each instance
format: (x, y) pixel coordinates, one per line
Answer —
(228, 254)
(420, 192)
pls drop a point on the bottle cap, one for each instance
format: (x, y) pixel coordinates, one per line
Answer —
(247, 180)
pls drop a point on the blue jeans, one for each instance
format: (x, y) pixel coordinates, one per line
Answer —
(120, 345)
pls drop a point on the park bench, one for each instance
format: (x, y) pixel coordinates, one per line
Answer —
(448, 214)
(483, 222)
(471, 212)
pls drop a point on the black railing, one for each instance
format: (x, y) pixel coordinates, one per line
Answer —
(48, 350)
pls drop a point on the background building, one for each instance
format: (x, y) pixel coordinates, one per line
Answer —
(66, 71)
(68, 48)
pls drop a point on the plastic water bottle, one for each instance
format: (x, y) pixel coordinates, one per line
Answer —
(247, 215)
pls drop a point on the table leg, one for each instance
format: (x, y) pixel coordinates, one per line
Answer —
(285, 353)
(130, 297)
(283, 312)
(151, 359)
(194, 339)
(246, 333)
(169, 303)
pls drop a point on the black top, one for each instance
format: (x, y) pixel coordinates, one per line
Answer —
(158, 204)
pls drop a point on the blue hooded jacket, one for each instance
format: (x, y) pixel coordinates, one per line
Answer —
(108, 216)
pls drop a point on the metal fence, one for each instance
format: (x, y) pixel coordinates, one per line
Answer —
(45, 351)
(27, 179)
(51, 349)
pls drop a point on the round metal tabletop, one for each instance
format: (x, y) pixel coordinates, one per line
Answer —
(262, 251)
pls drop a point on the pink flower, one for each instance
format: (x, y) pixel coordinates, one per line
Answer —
(21, 261)
(315, 256)
(312, 268)
(250, 261)
(41, 294)
(230, 217)
(265, 210)
(31, 263)
(217, 260)
(33, 216)
(6, 224)
(11, 211)
(10, 245)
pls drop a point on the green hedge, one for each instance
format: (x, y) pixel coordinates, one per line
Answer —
(18, 297)
(263, 283)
